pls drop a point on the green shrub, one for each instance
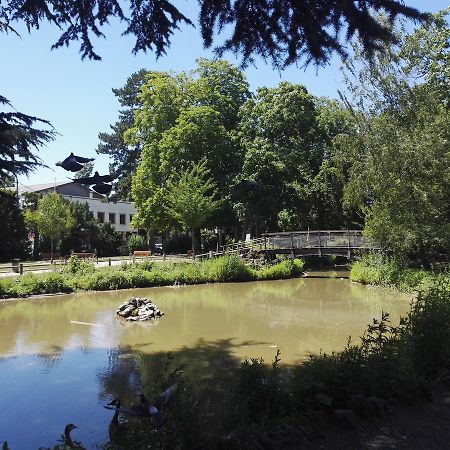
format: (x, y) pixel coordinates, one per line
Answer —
(82, 275)
(377, 269)
(78, 266)
(8, 287)
(227, 268)
(30, 284)
(137, 242)
(53, 283)
(285, 269)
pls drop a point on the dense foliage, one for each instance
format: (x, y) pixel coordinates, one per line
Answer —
(80, 276)
(398, 158)
(13, 234)
(381, 270)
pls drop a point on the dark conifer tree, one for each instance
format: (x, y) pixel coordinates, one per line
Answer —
(18, 141)
(283, 31)
(13, 234)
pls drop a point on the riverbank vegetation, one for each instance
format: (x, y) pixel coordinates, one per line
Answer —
(377, 269)
(80, 275)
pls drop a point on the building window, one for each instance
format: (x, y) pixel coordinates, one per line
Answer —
(122, 219)
(112, 218)
(101, 216)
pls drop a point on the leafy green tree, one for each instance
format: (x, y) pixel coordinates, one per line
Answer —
(85, 228)
(398, 175)
(183, 119)
(289, 139)
(53, 218)
(137, 242)
(192, 199)
(89, 234)
(29, 206)
(125, 158)
(13, 234)
(106, 241)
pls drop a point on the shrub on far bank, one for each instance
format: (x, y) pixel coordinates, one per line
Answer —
(289, 268)
(378, 269)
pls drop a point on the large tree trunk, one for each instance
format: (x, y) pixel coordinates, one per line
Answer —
(51, 249)
(151, 241)
(195, 234)
(36, 245)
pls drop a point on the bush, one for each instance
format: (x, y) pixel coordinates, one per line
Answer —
(137, 242)
(53, 283)
(78, 266)
(285, 269)
(8, 287)
(377, 269)
(227, 268)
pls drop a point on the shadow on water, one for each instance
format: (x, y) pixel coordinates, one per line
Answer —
(49, 390)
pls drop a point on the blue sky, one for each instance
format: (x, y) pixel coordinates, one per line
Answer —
(75, 95)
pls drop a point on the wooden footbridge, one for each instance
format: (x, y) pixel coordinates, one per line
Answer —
(345, 243)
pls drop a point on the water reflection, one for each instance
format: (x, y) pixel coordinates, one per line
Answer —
(62, 358)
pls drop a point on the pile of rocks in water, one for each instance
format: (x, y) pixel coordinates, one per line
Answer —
(139, 309)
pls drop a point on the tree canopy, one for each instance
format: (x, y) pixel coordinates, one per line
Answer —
(399, 159)
(282, 31)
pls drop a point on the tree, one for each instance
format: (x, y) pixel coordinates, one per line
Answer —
(18, 140)
(86, 171)
(83, 231)
(398, 175)
(125, 158)
(53, 218)
(288, 137)
(106, 240)
(182, 119)
(29, 206)
(192, 199)
(284, 31)
(13, 234)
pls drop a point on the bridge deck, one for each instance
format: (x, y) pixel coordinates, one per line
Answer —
(305, 243)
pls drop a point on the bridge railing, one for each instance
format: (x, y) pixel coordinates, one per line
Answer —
(319, 239)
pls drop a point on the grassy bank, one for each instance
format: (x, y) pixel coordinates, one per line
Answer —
(268, 406)
(82, 276)
(382, 271)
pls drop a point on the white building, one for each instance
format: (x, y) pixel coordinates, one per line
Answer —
(118, 214)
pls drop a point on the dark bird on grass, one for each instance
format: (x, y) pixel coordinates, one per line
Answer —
(145, 408)
(74, 163)
(132, 410)
(102, 188)
(97, 178)
(157, 404)
(117, 430)
(246, 185)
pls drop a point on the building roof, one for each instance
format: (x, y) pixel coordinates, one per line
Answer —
(42, 187)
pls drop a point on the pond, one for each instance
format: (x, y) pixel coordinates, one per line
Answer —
(62, 358)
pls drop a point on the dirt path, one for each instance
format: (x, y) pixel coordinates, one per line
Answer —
(424, 426)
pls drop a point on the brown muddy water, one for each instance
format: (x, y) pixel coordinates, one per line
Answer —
(62, 358)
